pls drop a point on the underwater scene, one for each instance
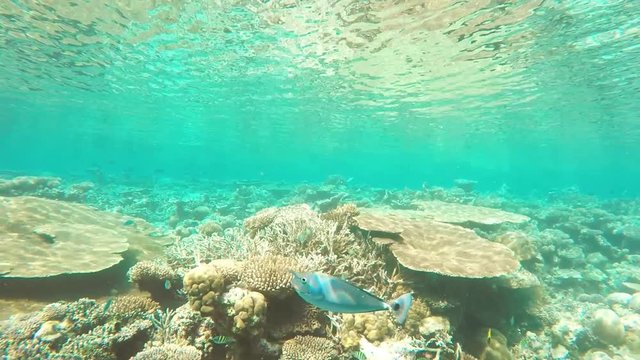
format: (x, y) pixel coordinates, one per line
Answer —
(320, 180)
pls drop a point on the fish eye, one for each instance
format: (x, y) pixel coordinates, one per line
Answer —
(304, 280)
(396, 306)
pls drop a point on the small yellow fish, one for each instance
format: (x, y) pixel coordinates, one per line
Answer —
(489, 336)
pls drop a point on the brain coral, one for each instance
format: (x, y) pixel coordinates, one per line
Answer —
(422, 244)
(308, 348)
(41, 238)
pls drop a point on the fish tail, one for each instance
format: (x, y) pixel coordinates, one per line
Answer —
(400, 307)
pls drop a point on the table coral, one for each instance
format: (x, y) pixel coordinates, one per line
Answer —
(425, 245)
(43, 238)
(460, 213)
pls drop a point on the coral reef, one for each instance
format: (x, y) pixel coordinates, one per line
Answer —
(156, 277)
(43, 238)
(169, 352)
(425, 245)
(375, 327)
(269, 275)
(553, 279)
(204, 285)
(308, 347)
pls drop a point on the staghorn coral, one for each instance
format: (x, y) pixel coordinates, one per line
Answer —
(260, 220)
(44, 238)
(203, 285)
(169, 352)
(269, 275)
(375, 327)
(342, 215)
(308, 348)
(197, 249)
(319, 244)
(424, 245)
(162, 321)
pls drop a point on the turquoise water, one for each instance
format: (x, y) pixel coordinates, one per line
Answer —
(537, 95)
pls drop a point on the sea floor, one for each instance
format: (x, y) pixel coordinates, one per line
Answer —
(105, 270)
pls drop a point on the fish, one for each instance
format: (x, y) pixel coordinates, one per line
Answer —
(631, 285)
(222, 340)
(167, 284)
(358, 355)
(489, 336)
(107, 305)
(333, 294)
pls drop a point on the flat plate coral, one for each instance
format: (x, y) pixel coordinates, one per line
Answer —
(421, 244)
(460, 213)
(41, 238)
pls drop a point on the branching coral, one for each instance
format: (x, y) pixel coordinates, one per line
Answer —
(197, 249)
(342, 215)
(318, 244)
(129, 306)
(269, 275)
(163, 323)
(169, 352)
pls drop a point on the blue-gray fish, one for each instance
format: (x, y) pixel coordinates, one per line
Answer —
(336, 295)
